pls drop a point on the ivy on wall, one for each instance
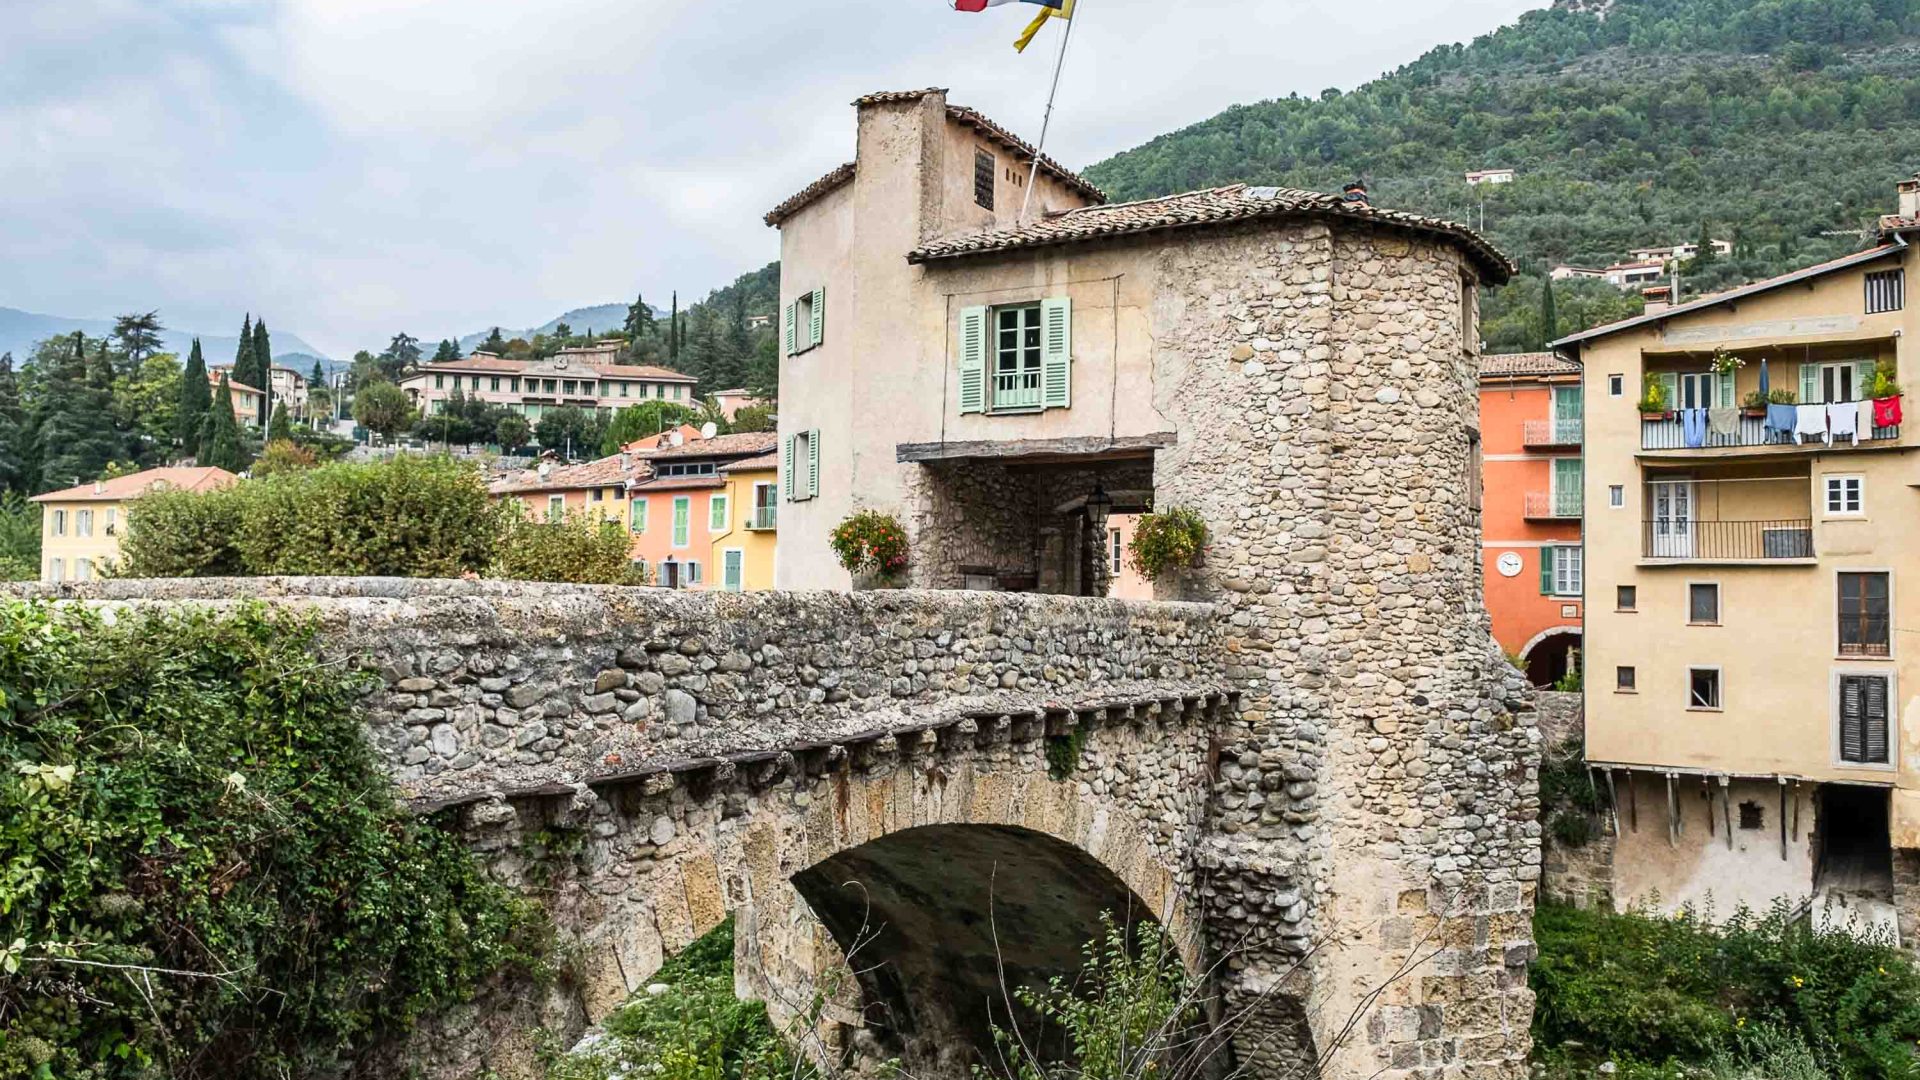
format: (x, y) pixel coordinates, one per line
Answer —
(202, 870)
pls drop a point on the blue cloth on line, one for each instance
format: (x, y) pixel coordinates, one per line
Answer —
(1780, 423)
(1693, 426)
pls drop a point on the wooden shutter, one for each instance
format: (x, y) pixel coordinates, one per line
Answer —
(1862, 381)
(1876, 718)
(817, 331)
(1056, 352)
(787, 318)
(786, 466)
(813, 463)
(1810, 385)
(717, 507)
(1546, 571)
(973, 360)
(1723, 390)
(1863, 719)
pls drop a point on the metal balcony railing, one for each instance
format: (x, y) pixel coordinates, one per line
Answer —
(1685, 539)
(1543, 505)
(1750, 431)
(1016, 389)
(1556, 432)
(763, 519)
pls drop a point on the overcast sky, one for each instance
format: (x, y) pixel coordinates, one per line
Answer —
(356, 167)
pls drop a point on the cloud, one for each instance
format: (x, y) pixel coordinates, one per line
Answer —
(358, 167)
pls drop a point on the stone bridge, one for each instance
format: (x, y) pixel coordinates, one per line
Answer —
(952, 786)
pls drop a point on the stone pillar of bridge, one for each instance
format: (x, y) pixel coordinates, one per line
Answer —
(1372, 852)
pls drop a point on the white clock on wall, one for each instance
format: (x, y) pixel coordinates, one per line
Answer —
(1509, 563)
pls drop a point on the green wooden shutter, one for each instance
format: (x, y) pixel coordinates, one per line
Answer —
(816, 332)
(813, 463)
(717, 513)
(973, 360)
(682, 520)
(1810, 385)
(1546, 571)
(786, 466)
(1056, 352)
(1723, 387)
(787, 318)
(1670, 382)
(637, 515)
(1862, 379)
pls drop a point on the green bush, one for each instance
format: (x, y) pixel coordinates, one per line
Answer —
(202, 869)
(1570, 828)
(1682, 989)
(411, 516)
(1162, 541)
(576, 548)
(870, 542)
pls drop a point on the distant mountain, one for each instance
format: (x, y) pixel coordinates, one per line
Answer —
(20, 330)
(599, 317)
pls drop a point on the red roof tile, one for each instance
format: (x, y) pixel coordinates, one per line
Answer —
(740, 444)
(134, 485)
(1527, 363)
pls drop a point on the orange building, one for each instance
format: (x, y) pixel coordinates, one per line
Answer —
(676, 514)
(1533, 563)
(594, 488)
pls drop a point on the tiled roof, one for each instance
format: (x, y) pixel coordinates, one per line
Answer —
(603, 472)
(1526, 363)
(809, 193)
(959, 114)
(1893, 223)
(132, 485)
(1765, 284)
(1237, 202)
(649, 445)
(739, 444)
(754, 464)
(676, 483)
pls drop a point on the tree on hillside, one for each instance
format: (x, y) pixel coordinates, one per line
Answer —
(13, 428)
(222, 448)
(673, 329)
(494, 344)
(146, 409)
(382, 408)
(753, 418)
(448, 351)
(1549, 318)
(640, 421)
(639, 324)
(138, 337)
(75, 420)
(402, 353)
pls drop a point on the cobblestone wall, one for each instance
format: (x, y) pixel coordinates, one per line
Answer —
(1378, 787)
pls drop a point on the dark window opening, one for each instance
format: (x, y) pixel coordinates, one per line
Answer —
(1864, 614)
(1863, 719)
(1751, 816)
(983, 178)
(1625, 597)
(1852, 844)
(1703, 688)
(1623, 678)
(1703, 603)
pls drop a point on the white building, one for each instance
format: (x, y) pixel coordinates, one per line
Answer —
(1490, 176)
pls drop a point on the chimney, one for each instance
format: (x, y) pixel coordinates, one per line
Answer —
(99, 488)
(1356, 192)
(1910, 197)
(626, 462)
(1658, 297)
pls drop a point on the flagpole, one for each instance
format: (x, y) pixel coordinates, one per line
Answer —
(1046, 119)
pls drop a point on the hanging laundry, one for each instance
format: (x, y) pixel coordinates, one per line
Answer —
(1780, 423)
(1725, 421)
(1866, 417)
(1843, 421)
(1693, 427)
(1886, 412)
(1810, 420)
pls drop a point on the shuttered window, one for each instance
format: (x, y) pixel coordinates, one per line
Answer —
(682, 520)
(637, 515)
(1560, 570)
(1886, 291)
(1016, 357)
(800, 465)
(1863, 719)
(717, 513)
(983, 170)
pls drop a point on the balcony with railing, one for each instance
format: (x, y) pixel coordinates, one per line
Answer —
(1553, 505)
(1749, 431)
(763, 519)
(1560, 431)
(1728, 519)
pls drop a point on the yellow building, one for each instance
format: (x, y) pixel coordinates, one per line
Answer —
(80, 527)
(743, 542)
(1746, 567)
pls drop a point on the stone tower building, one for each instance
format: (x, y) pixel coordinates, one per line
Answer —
(1299, 368)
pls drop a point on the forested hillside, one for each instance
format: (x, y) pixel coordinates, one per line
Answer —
(1781, 125)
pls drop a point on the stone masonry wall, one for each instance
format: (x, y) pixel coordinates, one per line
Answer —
(1580, 875)
(1381, 773)
(518, 686)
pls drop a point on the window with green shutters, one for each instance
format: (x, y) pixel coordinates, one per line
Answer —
(682, 520)
(1567, 480)
(637, 515)
(803, 323)
(717, 513)
(1016, 357)
(800, 465)
(1560, 570)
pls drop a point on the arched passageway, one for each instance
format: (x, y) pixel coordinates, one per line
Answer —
(942, 922)
(1553, 655)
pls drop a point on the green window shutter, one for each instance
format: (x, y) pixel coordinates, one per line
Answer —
(637, 515)
(1546, 571)
(817, 332)
(682, 520)
(717, 513)
(973, 360)
(1670, 382)
(1862, 379)
(786, 315)
(1810, 384)
(786, 466)
(1723, 387)
(813, 463)
(1056, 352)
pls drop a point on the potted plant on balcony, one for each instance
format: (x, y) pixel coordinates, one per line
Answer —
(1754, 405)
(1885, 392)
(1653, 399)
(873, 548)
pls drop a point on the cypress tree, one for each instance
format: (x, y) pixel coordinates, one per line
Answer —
(673, 329)
(280, 427)
(13, 428)
(221, 448)
(243, 356)
(196, 397)
(75, 419)
(1549, 317)
(263, 365)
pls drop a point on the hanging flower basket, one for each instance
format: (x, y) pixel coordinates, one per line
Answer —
(1169, 540)
(872, 546)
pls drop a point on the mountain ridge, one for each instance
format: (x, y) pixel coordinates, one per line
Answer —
(20, 330)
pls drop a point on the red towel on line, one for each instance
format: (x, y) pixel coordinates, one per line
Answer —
(1886, 412)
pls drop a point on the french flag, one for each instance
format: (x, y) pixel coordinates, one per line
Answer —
(982, 5)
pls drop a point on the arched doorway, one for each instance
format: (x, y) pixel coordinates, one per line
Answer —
(943, 922)
(1552, 655)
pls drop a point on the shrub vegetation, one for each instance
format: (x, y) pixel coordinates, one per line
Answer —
(202, 869)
